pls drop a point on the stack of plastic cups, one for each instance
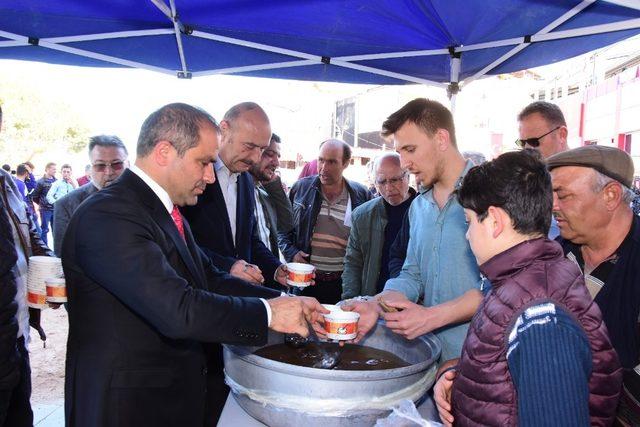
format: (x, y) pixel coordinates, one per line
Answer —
(41, 268)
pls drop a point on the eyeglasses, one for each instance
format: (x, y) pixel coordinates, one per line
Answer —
(534, 142)
(115, 166)
(391, 181)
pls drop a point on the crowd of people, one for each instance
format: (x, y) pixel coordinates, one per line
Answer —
(526, 267)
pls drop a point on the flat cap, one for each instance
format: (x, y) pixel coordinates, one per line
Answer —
(609, 161)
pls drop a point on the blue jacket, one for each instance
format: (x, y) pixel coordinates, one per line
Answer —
(211, 228)
(306, 198)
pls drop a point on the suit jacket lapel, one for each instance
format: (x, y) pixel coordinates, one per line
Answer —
(244, 207)
(160, 215)
(164, 220)
(194, 251)
(221, 207)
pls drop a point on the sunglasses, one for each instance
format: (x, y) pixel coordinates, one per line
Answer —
(115, 166)
(534, 142)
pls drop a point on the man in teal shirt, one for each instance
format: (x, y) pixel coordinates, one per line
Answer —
(440, 268)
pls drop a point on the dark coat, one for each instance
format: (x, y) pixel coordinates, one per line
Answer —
(64, 208)
(306, 199)
(141, 301)
(277, 211)
(209, 221)
(13, 210)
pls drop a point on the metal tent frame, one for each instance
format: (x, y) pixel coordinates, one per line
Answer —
(455, 53)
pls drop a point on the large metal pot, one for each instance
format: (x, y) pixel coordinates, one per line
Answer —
(280, 394)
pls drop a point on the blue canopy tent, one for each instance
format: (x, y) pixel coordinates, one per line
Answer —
(439, 42)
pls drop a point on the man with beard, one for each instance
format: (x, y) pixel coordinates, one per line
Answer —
(322, 206)
(440, 268)
(273, 208)
(108, 156)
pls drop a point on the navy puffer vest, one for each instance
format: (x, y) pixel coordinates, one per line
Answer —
(531, 272)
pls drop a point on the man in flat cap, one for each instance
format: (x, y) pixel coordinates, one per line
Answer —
(600, 233)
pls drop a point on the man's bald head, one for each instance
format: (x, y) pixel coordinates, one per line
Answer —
(246, 132)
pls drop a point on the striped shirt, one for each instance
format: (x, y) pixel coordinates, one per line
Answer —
(330, 234)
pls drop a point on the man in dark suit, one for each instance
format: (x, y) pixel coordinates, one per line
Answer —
(223, 221)
(108, 156)
(143, 296)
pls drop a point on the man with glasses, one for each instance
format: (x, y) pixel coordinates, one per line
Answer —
(541, 126)
(108, 157)
(374, 228)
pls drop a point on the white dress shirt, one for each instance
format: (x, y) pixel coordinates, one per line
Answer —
(263, 228)
(168, 204)
(229, 185)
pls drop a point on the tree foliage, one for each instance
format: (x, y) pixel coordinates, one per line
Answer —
(34, 124)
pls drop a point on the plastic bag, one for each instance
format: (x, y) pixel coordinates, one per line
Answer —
(405, 414)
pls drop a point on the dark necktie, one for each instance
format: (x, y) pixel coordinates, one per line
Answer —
(177, 220)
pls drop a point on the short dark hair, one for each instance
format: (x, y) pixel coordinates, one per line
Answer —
(107, 141)
(28, 163)
(66, 166)
(517, 182)
(275, 138)
(6, 167)
(346, 149)
(176, 123)
(551, 113)
(425, 113)
(48, 165)
(22, 169)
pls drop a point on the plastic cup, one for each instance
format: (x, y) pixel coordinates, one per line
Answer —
(56, 290)
(299, 274)
(341, 325)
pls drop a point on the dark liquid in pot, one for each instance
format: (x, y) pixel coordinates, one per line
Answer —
(352, 357)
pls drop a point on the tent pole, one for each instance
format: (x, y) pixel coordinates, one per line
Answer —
(453, 88)
(178, 28)
(307, 56)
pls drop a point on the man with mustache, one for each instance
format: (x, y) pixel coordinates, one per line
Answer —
(322, 206)
(108, 156)
(600, 233)
(222, 221)
(272, 208)
(224, 225)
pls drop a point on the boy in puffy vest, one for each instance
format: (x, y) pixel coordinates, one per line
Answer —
(537, 351)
